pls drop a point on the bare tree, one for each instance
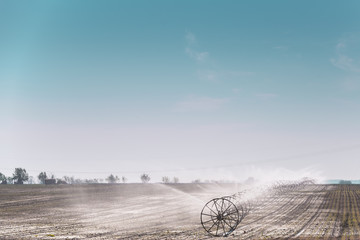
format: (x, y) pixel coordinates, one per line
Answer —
(165, 179)
(31, 180)
(93, 181)
(145, 178)
(123, 179)
(69, 180)
(78, 181)
(176, 180)
(196, 181)
(112, 179)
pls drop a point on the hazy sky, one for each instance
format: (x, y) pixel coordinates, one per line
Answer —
(208, 89)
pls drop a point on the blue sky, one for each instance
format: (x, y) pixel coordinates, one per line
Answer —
(93, 87)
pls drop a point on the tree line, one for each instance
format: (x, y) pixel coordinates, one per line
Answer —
(20, 176)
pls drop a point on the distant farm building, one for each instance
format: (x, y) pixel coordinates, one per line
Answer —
(50, 181)
(345, 182)
(59, 181)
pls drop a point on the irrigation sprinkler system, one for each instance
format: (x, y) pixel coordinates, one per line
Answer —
(221, 216)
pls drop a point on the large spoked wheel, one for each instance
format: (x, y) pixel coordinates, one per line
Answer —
(220, 217)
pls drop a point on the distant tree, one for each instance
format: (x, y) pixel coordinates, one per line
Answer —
(42, 176)
(10, 180)
(91, 181)
(112, 179)
(123, 179)
(78, 181)
(176, 180)
(20, 176)
(3, 179)
(196, 181)
(69, 180)
(145, 178)
(165, 179)
(31, 180)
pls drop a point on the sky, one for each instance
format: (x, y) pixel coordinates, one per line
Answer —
(221, 90)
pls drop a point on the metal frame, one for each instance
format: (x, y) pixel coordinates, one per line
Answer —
(220, 216)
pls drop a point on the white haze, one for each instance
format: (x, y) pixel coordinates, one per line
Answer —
(225, 152)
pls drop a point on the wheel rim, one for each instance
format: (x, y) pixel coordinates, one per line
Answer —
(220, 217)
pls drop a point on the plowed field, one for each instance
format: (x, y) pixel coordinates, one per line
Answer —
(159, 211)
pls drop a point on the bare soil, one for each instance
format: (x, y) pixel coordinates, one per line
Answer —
(172, 211)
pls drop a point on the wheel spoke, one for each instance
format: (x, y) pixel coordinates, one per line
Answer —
(219, 207)
(227, 207)
(208, 215)
(228, 224)
(223, 227)
(231, 213)
(231, 218)
(217, 228)
(211, 209)
(211, 220)
(212, 226)
(215, 203)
